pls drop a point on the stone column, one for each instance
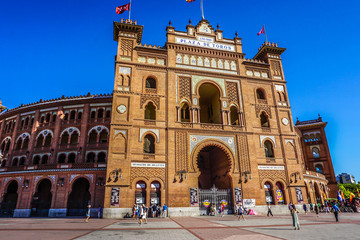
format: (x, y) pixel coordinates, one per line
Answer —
(178, 113)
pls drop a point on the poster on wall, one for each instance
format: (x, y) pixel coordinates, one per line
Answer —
(249, 203)
(299, 195)
(279, 196)
(238, 197)
(115, 196)
(193, 197)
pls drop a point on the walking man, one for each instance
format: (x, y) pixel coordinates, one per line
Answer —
(336, 212)
(88, 214)
(164, 211)
(305, 208)
(269, 210)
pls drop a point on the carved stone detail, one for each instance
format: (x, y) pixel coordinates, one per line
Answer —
(184, 87)
(244, 159)
(273, 175)
(126, 47)
(181, 151)
(154, 99)
(232, 92)
(260, 107)
(147, 173)
(276, 69)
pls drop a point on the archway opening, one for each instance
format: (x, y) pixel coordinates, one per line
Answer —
(269, 193)
(209, 104)
(41, 201)
(214, 166)
(155, 193)
(79, 198)
(280, 194)
(8, 204)
(140, 192)
(317, 194)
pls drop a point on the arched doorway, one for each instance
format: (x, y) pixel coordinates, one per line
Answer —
(79, 198)
(317, 194)
(140, 192)
(280, 194)
(215, 183)
(41, 201)
(269, 193)
(210, 104)
(8, 204)
(155, 193)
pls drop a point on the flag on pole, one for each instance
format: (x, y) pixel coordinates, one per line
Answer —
(339, 196)
(358, 192)
(342, 195)
(351, 196)
(262, 31)
(324, 195)
(123, 8)
(189, 1)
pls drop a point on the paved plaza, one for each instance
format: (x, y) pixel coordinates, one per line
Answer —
(228, 227)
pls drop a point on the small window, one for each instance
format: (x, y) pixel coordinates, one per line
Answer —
(93, 114)
(103, 136)
(260, 94)
(264, 120)
(108, 114)
(234, 116)
(48, 117)
(90, 158)
(36, 160)
(101, 157)
(150, 83)
(18, 144)
(150, 111)
(319, 168)
(61, 158)
(26, 122)
(39, 141)
(54, 118)
(79, 115)
(66, 116)
(44, 159)
(269, 151)
(71, 158)
(92, 137)
(22, 161)
(185, 112)
(100, 113)
(149, 144)
(22, 123)
(315, 152)
(14, 162)
(72, 115)
(64, 138)
(48, 140)
(42, 119)
(74, 138)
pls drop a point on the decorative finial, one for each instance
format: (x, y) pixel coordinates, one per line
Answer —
(218, 26)
(236, 34)
(189, 21)
(170, 23)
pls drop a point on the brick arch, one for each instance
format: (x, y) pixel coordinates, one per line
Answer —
(212, 142)
(147, 102)
(42, 178)
(80, 176)
(137, 179)
(153, 179)
(221, 90)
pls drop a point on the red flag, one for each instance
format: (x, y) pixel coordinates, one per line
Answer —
(123, 8)
(189, 1)
(261, 31)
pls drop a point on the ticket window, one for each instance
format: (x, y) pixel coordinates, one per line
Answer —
(155, 193)
(140, 193)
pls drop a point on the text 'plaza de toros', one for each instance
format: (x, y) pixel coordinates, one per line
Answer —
(189, 123)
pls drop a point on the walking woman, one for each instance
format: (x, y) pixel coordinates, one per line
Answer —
(317, 210)
(88, 213)
(241, 213)
(295, 218)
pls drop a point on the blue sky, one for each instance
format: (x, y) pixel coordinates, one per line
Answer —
(54, 48)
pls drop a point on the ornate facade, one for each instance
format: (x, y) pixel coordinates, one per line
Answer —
(191, 122)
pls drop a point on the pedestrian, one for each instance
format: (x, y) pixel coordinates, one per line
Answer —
(305, 208)
(153, 209)
(158, 210)
(134, 211)
(269, 210)
(144, 216)
(311, 207)
(336, 212)
(295, 218)
(164, 211)
(222, 209)
(317, 210)
(241, 213)
(88, 213)
(141, 213)
(99, 211)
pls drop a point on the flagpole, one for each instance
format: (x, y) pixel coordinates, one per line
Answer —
(130, 10)
(265, 33)
(202, 10)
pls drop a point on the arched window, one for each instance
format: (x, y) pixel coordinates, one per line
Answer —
(42, 119)
(108, 114)
(150, 83)
(36, 160)
(315, 152)
(15, 162)
(101, 157)
(234, 116)
(100, 113)
(44, 159)
(319, 168)
(260, 94)
(90, 158)
(279, 95)
(185, 112)
(92, 137)
(48, 140)
(268, 193)
(3, 163)
(74, 138)
(210, 104)
(3, 147)
(269, 151)
(22, 123)
(64, 138)
(48, 116)
(150, 112)
(264, 120)
(22, 161)
(149, 144)
(155, 193)
(7, 146)
(72, 115)
(66, 116)
(18, 144)
(93, 114)
(284, 97)
(140, 192)
(318, 137)
(26, 122)
(61, 158)
(71, 158)
(79, 115)
(39, 141)
(32, 121)
(279, 194)
(103, 136)
(54, 118)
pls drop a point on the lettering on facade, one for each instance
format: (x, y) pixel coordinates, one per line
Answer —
(205, 44)
(271, 167)
(153, 165)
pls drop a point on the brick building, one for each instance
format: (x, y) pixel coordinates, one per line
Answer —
(189, 123)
